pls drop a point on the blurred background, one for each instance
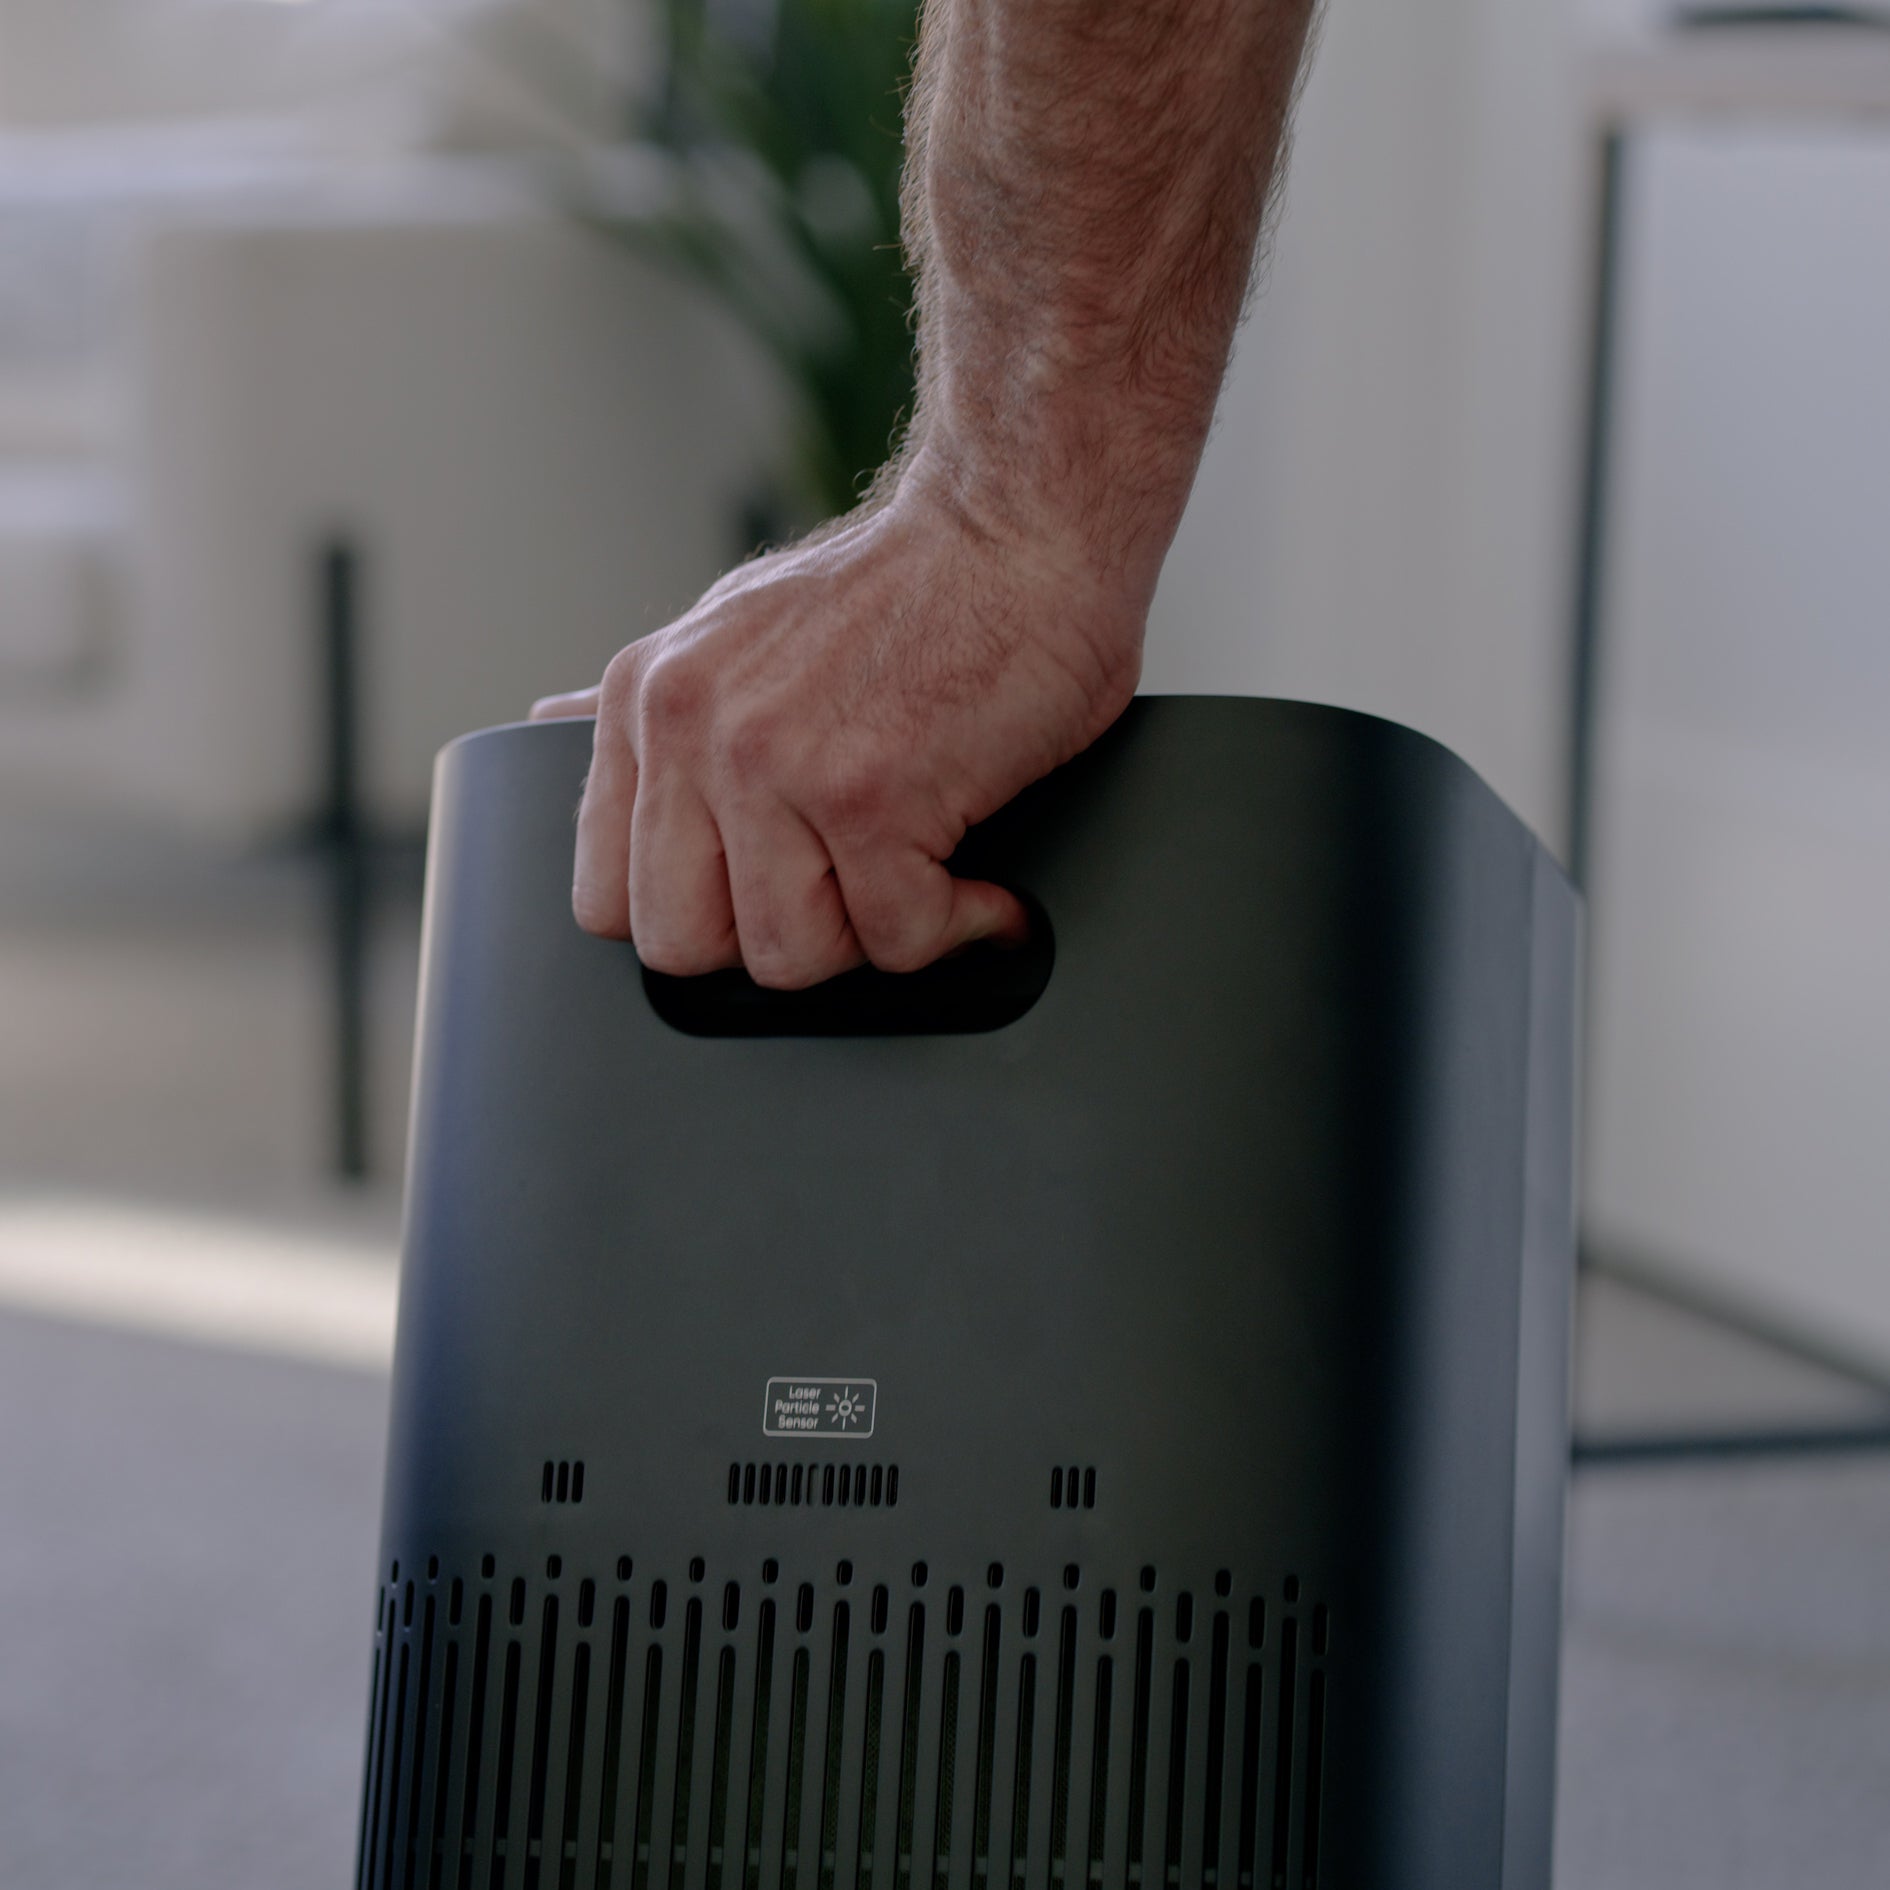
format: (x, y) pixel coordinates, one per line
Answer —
(369, 367)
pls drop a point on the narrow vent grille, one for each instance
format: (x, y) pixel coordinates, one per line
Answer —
(1073, 1486)
(562, 1481)
(813, 1485)
(559, 1731)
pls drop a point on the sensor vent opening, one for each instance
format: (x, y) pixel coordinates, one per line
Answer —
(561, 1481)
(813, 1486)
(1073, 1486)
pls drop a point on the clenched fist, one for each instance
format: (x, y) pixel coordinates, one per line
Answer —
(779, 777)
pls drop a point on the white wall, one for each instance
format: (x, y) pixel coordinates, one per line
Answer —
(1384, 520)
(1741, 1128)
(1381, 517)
(486, 71)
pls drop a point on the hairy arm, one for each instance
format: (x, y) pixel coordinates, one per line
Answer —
(779, 777)
(1085, 194)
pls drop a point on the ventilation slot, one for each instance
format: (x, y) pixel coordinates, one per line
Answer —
(836, 1750)
(1020, 1788)
(1283, 1772)
(870, 1762)
(987, 1751)
(909, 1748)
(686, 1740)
(813, 1486)
(1073, 1487)
(562, 1481)
(796, 1773)
(758, 1752)
(526, 1736)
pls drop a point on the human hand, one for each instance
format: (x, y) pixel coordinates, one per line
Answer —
(779, 777)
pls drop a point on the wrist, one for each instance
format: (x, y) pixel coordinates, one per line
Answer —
(1021, 559)
(1042, 514)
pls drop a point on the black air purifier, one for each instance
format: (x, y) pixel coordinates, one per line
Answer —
(1087, 1418)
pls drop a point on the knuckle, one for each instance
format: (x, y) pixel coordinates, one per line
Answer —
(887, 935)
(900, 951)
(675, 692)
(854, 794)
(752, 748)
(618, 689)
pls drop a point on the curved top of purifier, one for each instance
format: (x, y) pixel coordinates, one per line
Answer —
(1186, 707)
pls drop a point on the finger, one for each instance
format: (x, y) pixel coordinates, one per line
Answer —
(789, 915)
(600, 879)
(572, 704)
(908, 910)
(681, 915)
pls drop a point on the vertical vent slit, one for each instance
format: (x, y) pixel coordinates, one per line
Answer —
(947, 1774)
(909, 1747)
(502, 1785)
(577, 1482)
(1065, 1733)
(1250, 1776)
(758, 1750)
(1138, 1743)
(1283, 1771)
(1315, 1764)
(836, 1749)
(613, 1740)
(869, 1768)
(987, 1752)
(475, 1741)
(796, 1773)
(574, 1767)
(1216, 1754)
(449, 1700)
(1099, 1772)
(892, 1485)
(685, 1741)
(541, 1741)
(720, 1765)
(1020, 1790)
(1177, 1776)
(370, 1796)
(734, 1483)
(1089, 1489)
(564, 1482)
(386, 1668)
(393, 1774)
(646, 1769)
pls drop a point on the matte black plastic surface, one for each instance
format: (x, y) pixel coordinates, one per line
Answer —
(1210, 1319)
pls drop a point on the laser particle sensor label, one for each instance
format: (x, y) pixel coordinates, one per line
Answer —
(820, 1407)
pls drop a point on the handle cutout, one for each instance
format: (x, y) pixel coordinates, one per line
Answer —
(982, 988)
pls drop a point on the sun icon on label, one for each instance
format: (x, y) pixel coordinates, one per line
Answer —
(846, 1408)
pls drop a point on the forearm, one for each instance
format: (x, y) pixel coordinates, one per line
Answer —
(1085, 192)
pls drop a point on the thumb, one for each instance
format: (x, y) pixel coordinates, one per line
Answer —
(981, 910)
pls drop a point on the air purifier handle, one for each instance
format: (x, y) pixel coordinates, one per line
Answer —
(985, 987)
